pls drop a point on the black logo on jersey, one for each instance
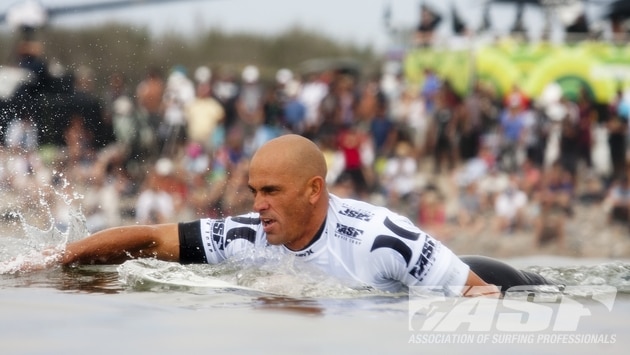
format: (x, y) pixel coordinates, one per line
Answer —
(217, 232)
(306, 252)
(348, 233)
(425, 261)
(360, 215)
(222, 239)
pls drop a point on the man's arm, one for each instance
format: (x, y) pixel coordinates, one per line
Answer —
(115, 245)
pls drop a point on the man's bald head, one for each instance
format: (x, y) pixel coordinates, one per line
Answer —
(292, 154)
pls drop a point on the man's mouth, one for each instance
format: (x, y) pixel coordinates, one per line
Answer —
(267, 223)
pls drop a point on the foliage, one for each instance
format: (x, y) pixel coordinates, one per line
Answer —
(132, 51)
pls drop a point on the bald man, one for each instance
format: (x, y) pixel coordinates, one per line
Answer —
(359, 243)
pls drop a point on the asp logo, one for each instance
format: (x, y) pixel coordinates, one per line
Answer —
(521, 310)
(357, 214)
(348, 233)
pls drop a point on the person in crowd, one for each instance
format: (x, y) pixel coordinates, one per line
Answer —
(511, 134)
(442, 135)
(432, 212)
(383, 131)
(150, 95)
(617, 202)
(409, 113)
(399, 178)
(510, 207)
(470, 214)
(357, 151)
(178, 94)
(155, 204)
(203, 114)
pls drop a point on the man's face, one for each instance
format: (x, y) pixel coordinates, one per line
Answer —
(281, 200)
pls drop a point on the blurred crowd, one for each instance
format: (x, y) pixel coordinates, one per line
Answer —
(176, 145)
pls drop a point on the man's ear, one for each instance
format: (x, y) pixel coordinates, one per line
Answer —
(316, 186)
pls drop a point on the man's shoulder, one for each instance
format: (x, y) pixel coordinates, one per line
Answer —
(362, 214)
(353, 209)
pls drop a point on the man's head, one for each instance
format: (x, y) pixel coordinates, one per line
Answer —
(287, 178)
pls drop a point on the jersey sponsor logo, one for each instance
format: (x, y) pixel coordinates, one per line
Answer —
(222, 239)
(305, 253)
(217, 234)
(357, 214)
(425, 261)
(347, 233)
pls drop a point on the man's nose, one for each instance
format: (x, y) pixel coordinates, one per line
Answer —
(260, 203)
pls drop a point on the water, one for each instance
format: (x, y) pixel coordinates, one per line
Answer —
(265, 303)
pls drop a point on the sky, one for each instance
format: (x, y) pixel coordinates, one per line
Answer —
(356, 21)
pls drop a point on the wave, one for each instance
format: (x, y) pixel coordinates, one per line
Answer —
(610, 274)
(259, 271)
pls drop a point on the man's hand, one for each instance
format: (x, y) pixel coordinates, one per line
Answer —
(33, 261)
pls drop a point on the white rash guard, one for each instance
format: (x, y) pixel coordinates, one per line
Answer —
(362, 244)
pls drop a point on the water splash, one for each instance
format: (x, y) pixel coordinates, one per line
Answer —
(613, 273)
(258, 270)
(35, 238)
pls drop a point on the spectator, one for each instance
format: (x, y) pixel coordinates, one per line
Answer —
(549, 225)
(442, 135)
(294, 110)
(617, 202)
(313, 92)
(617, 125)
(203, 114)
(492, 184)
(429, 21)
(150, 93)
(587, 117)
(399, 178)
(179, 93)
(556, 203)
(470, 209)
(432, 212)
(155, 204)
(510, 207)
(511, 134)
(409, 113)
(249, 102)
(430, 89)
(354, 144)
(531, 177)
(369, 100)
(383, 132)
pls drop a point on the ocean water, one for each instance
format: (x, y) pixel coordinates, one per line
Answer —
(268, 304)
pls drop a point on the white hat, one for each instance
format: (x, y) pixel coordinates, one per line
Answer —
(556, 111)
(164, 167)
(284, 75)
(250, 74)
(203, 74)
